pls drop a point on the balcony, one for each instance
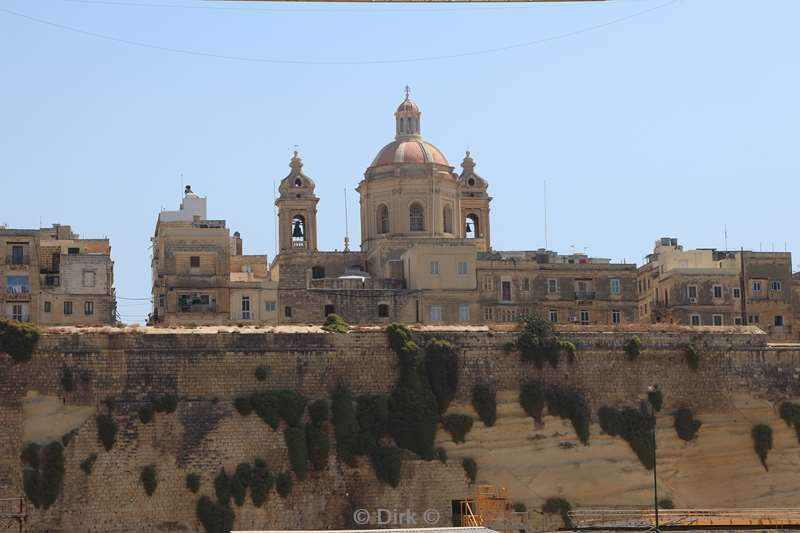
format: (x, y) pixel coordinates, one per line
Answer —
(197, 308)
(51, 280)
(18, 261)
(18, 293)
(584, 295)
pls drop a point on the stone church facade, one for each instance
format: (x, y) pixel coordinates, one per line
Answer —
(425, 257)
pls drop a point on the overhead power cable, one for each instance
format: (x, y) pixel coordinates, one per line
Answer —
(337, 62)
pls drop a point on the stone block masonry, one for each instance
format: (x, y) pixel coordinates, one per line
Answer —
(208, 368)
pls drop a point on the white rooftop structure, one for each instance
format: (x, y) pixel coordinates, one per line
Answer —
(192, 206)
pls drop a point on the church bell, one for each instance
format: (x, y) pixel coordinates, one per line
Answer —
(468, 229)
(297, 232)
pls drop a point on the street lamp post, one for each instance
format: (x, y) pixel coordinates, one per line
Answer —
(654, 389)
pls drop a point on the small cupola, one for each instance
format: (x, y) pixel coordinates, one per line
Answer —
(407, 119)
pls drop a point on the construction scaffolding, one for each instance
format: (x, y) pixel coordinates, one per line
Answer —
(491, 509)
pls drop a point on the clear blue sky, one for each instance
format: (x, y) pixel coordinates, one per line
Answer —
(674, 122)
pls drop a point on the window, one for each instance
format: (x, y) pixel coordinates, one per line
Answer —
(462, 268)
(737, 321)
(383, 311)
(736, 292)
(584, 318)
(436, 313)
(526, 284)
(463, 312)
(194, 261)
(505, 291)
(717, 291)
(488, 283)
(615, 287)
(67, 308)
(73, 251)
(553, 316)
(717, 320)
(695, 320)
(775, 285)
(692, 292)
(88, 308)
(471, 227)
(287, 312)
(752, 319)
(447, 219)
(383, 219)
(435, 268)
(16, 313)
(47, 307)
(552, 286)
(779, 320)
(329, 309)
(487, 314)
(89, 278)
(17, 285)
(270, 306)
(246, 308)
(616, 317)
(317, 272)
(756, 285)
(17, 255)
(416, 218)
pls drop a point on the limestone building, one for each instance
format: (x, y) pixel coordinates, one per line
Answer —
(50, 276)
(200, 274)
(709, 287)
(425, 256)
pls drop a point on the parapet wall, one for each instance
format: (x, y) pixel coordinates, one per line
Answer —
(209, 368)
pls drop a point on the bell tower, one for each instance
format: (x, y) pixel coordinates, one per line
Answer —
(474, 205)
(297, 210)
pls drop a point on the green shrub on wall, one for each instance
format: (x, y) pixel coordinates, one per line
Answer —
(537, 342)
(470, 468)
(261, 483)
(67, 380)
(692, 356)
(458, 426)
(570, 405)
(88, 464)
(262, 373)
(43, 473)
(335, 324)
(149, 479)
(291, 406)
(686, 425)
(441, 365)
(298, 453)
(18, 339)
(632, 348)
(372, 414)
(666, 503)
(634, 426)
(283, 484)
(106, 430)
(193, 482)
(345, 425)
(485, 403)
(656, 399)
(222, 488)
(441, 455)
(242, 405)
(790, 413)
(319, 411)
(265, 406)
(558, 506)
(318, 446)
(762, 442)
(240, 481)
(165, 403)
(386, 461)
(215, 517)
(532, 400)
(145, 413)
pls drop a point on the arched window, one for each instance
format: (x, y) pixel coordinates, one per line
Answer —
(298, 182)
(447, 219)
(383, 219)
(298, 230)
(471, 229)
(416, 217)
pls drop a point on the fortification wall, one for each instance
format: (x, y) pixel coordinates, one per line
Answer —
(740, 381)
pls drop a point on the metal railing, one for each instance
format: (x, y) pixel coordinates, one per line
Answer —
(13, 510)
(694, 518)
(584, 295)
